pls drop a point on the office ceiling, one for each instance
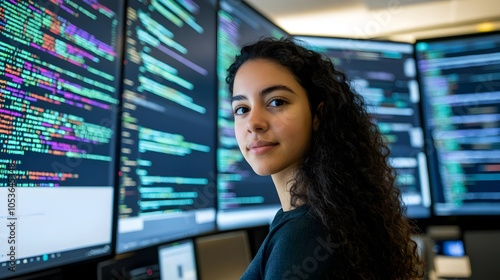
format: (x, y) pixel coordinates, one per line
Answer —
(400, 20)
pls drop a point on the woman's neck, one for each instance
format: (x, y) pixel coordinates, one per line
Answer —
(283, 181)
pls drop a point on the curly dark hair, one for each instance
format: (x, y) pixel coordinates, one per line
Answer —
(345, 176)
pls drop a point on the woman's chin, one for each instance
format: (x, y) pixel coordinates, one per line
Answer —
(262, 171)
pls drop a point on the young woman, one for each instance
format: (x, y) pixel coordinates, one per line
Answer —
(298, 120)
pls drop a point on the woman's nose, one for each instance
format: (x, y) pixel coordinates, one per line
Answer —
(256, 121)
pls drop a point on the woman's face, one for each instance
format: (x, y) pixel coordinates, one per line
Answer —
(272, 118)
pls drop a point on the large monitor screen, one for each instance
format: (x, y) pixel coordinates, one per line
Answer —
(460, 81)
(384, 73)
(168, 128)
(244, 198)
(59, 87)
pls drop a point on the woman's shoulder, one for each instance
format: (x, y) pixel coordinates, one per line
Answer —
(298, 247)
(298, 225)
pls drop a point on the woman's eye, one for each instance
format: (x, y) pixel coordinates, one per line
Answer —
(240, 110)
(277, 102)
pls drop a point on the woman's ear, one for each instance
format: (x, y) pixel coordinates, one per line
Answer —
(317, 116)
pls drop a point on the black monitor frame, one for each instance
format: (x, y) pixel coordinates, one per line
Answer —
(56, 262)
(206, 197)
(467, 221)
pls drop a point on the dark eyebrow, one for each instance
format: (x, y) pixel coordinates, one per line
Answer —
(264, 92)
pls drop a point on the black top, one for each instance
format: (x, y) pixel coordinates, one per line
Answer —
(295, 248)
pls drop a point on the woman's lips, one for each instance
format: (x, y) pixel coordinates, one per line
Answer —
(261, 147)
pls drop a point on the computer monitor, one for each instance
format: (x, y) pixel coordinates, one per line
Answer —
(384, 73)
(168, 123)
(460, 81)
(244, 198)
(59, 88)
(177, 261)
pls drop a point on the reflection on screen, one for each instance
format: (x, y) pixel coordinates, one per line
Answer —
(460, 79)
(167, 154)
(59, 80)
(244, 198)
(384, 73)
